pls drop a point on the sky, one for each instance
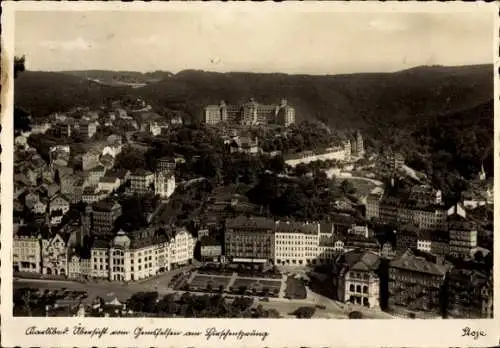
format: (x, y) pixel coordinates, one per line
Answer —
(272, 41)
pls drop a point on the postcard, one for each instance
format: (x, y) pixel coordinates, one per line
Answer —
(205, 174)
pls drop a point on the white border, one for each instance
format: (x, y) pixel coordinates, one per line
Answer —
(283, 332)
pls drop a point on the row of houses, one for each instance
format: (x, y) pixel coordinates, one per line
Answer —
(126, 257)
(416, 281)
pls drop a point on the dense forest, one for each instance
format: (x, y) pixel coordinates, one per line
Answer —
(440, 118)
(362, 101)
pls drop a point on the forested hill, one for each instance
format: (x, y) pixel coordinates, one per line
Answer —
(42, 93)
(375, 100)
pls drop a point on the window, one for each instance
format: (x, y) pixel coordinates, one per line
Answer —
(351, 287)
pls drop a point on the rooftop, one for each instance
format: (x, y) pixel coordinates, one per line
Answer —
(418, 263)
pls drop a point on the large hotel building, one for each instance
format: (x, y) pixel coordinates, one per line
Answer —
(250, 113)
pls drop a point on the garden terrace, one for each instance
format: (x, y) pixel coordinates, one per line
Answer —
(295, 289)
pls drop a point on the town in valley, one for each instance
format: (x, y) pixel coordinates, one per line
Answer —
(194, 195)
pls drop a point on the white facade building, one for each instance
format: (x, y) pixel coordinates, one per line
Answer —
(164, 184)
(26, 254)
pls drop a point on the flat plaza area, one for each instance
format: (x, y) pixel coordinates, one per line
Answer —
(280, 301)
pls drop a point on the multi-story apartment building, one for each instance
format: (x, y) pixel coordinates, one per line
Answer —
(165, 164)
(372, 210)
(62, 129)
(181, 247)
(94, 175)
(213, 114)
(286, 114)
(356, 278)
(87, 129)
(27, 254)
(91, 195)
(353, 242)
(399, 211)
(425, 194)
(357, 145)
(462, 236)
(250, 239)
(210, 248)
(104, 215)
(55, 255)
(296, 243)
(108, 183)
(416, 280)
(141, 254)
(164, 184)
(141, 181)
(395, 160)
(470, 294)
(250, 113)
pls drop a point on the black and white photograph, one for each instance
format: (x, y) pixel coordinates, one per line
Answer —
(199, 162)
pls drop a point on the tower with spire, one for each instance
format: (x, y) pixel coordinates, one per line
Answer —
(482, 173)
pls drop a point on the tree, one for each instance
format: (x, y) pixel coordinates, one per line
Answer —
(304, 312)
(347, 187)
(355, 315)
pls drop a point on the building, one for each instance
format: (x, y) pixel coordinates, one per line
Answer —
(295, 243)
(210, 249)
(164, 184)
(245, 145)
(285, 114)
(181, 248)
(360, 230)
(213, 114)
(356, 278)
(357, 145)
(154, 129)
(108, 183)
(354, 242)
(55, 256)
(332, 153)
(440, 243)
(104, 215)
(425, 194)
(141, 254)
(62, 129)
(58, 206)
(40, 127)
(79, 267)
(250, 113)
(26, 254)
(329, 248)
(141, 181)
(87, 129)
(59, 152)
(372, 210)
(91, 194)
(165, 164)
(400, 211)
(470, 294)
(72, 187)
(462, 236)
(395, 160)
(94, 175)
(416, 280)
(90, 160)
(249, 239)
